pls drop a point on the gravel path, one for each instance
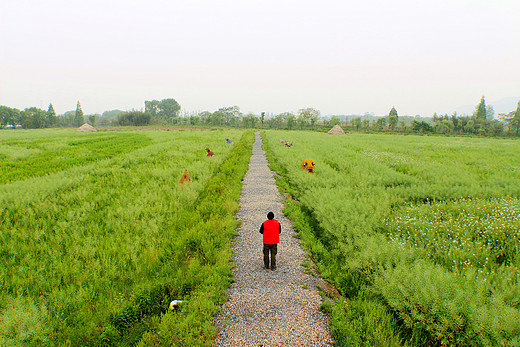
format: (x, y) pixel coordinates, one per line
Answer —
(269, 308)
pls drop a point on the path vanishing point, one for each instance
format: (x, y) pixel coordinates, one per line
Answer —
(269, 308)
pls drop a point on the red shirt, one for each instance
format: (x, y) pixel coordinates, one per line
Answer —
(271, 230)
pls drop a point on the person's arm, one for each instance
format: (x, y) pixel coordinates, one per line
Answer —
(262, 229)
(279, 228)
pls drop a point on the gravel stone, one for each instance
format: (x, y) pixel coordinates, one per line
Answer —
(265, 307)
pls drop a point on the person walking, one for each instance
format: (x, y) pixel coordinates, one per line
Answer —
(271, 230)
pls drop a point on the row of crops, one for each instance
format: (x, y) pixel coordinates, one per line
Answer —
(419, 234)
(97, 236)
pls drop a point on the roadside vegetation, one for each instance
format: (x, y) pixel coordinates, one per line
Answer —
(97, 236)
(419, 234)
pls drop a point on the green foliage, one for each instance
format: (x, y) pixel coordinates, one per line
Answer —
(480, 110)
(32, 118)
(51, 116)
(134, 117)
(421, 127)
(393, 118)
(450, 308)
(362, 322)
(8, 116)
(380, 209)
(78, 116)
(166, 109)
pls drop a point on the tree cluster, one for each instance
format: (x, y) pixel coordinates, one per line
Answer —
(29, 118)
(480, 123)
(166, 110)
(306, 118)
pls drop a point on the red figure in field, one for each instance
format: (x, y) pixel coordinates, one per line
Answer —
(210, 153)
(185, 177)
(271, 229)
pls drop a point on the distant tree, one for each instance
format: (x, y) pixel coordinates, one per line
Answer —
(516, 120)
(134, 117)
(302, 122)
(421, 127)
(470, 127)
(271, 122)
(365, 123)
(92, 119)
(262, 118)
(8, 116)
(152, 107)
(33, 118)
(205, 117)
(78, 116)
(250, 120)
(380, 123)
(393, 118)
(169, 110)
(232, 115)
(194, 120)
(112, 114)
(496, 128)
(314, 120)
(480, 112)
(490, 112)
(443, 126)
(287, 118)
(356, 123)
(513, 120)
(103, 120)
(278, 121)
(226, 116)
(334, 120)
(308, 113)
(51, 116)
(66, 119)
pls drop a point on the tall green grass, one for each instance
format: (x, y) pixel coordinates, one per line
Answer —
(30, 155)
(404, 224)
(98, 248)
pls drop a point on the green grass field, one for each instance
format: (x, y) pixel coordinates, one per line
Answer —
(420, 234)
(97, 236)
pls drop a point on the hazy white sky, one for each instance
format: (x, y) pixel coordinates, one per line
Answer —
(341, 57)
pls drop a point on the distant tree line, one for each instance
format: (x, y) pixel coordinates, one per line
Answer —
(36, 118)
(480, 123)
(167, 112)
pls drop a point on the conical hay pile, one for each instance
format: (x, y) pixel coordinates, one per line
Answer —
(336, 130)
(86, 127)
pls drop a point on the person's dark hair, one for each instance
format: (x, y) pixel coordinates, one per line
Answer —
(270, 215)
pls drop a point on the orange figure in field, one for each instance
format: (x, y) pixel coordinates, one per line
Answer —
(210, 153)
(185, 177)
(309, 165)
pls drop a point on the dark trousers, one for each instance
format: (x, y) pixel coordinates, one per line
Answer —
(273, 249)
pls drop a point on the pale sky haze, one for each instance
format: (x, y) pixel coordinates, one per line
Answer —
(340, 57)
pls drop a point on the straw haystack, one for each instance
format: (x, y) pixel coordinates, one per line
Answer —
(336, 130)
(86, 127)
